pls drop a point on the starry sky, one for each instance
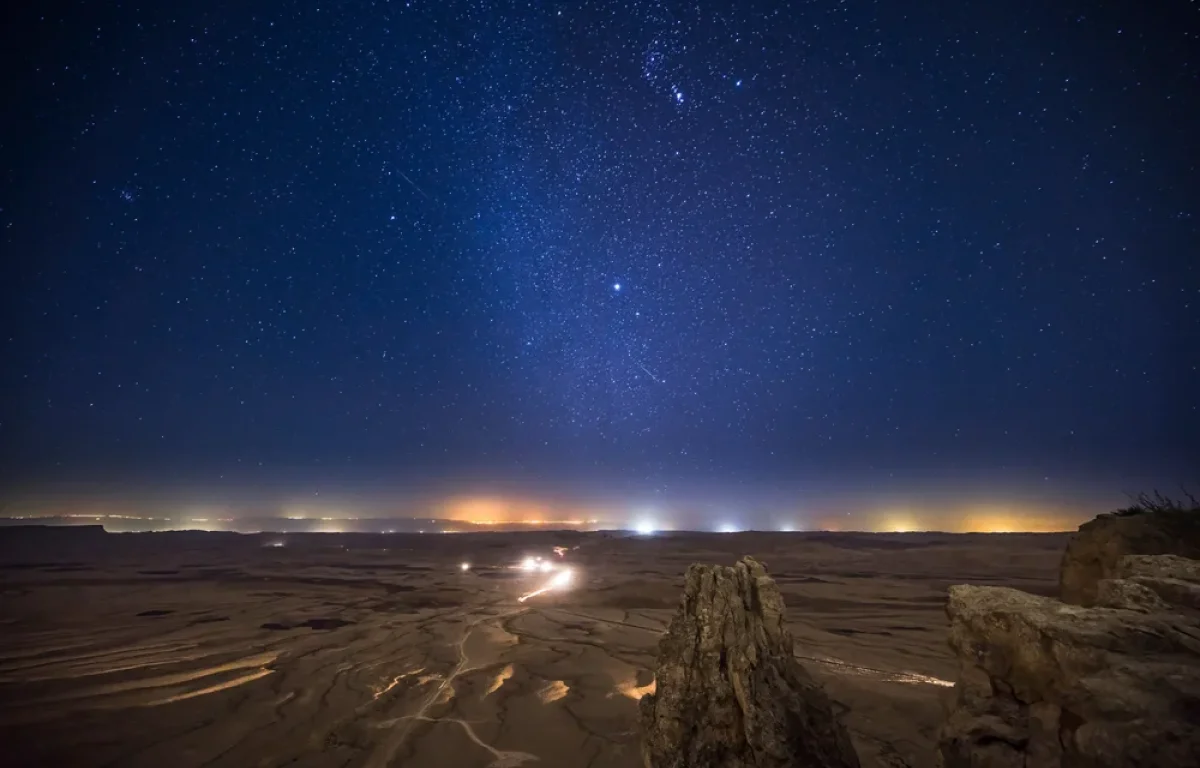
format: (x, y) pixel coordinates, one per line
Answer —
(617, 248)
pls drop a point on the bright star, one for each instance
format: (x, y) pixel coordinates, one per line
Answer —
(616, 286)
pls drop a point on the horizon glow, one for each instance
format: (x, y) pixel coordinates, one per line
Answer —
(462, 513)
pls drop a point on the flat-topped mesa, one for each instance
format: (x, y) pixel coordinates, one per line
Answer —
(730, 693)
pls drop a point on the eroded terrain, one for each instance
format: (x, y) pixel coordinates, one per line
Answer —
(360, 650)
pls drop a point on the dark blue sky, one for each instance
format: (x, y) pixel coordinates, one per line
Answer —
(601, 244)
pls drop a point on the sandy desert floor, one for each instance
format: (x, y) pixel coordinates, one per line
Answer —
(359, 650)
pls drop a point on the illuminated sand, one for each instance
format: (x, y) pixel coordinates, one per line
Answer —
(215, 650)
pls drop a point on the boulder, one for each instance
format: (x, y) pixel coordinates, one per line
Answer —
(1043, 683)
(729, 691)
(1095, 551)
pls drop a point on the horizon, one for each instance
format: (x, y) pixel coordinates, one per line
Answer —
(126, 524)
(959, 502)
(492, 511)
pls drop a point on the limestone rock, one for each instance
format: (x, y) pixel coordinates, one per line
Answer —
(1174, 580)
(1045, 684)
(1123, 593)
(1096, 549)
(730, 693)
(1160, 567)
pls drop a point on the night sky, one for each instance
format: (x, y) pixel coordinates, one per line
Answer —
(620, 249)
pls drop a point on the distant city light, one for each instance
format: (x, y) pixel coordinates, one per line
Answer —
(787, 527)
(465, 567)
(644, 526)
(899, 524)
(728, 528)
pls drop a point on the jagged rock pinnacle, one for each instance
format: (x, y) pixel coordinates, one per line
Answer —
(730, 693)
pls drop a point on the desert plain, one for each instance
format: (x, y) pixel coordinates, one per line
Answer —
(192, 649)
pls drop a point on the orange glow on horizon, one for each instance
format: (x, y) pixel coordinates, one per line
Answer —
(496, 510)
(528, 511)
(976, 518)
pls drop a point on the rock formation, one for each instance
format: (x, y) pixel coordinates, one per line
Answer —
(1175, 580)
(1094, 552)
(730, 693)
(1043, 683)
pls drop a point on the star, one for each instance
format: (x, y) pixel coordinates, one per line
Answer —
(460, 180)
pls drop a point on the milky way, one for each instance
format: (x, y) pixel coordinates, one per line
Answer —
(636, 240)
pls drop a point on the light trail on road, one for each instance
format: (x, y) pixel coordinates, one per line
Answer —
(560, 580)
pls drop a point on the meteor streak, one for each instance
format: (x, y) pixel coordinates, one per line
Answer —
(648, 372)
(413, 184)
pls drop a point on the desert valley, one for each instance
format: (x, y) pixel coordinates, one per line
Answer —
(210, 649)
